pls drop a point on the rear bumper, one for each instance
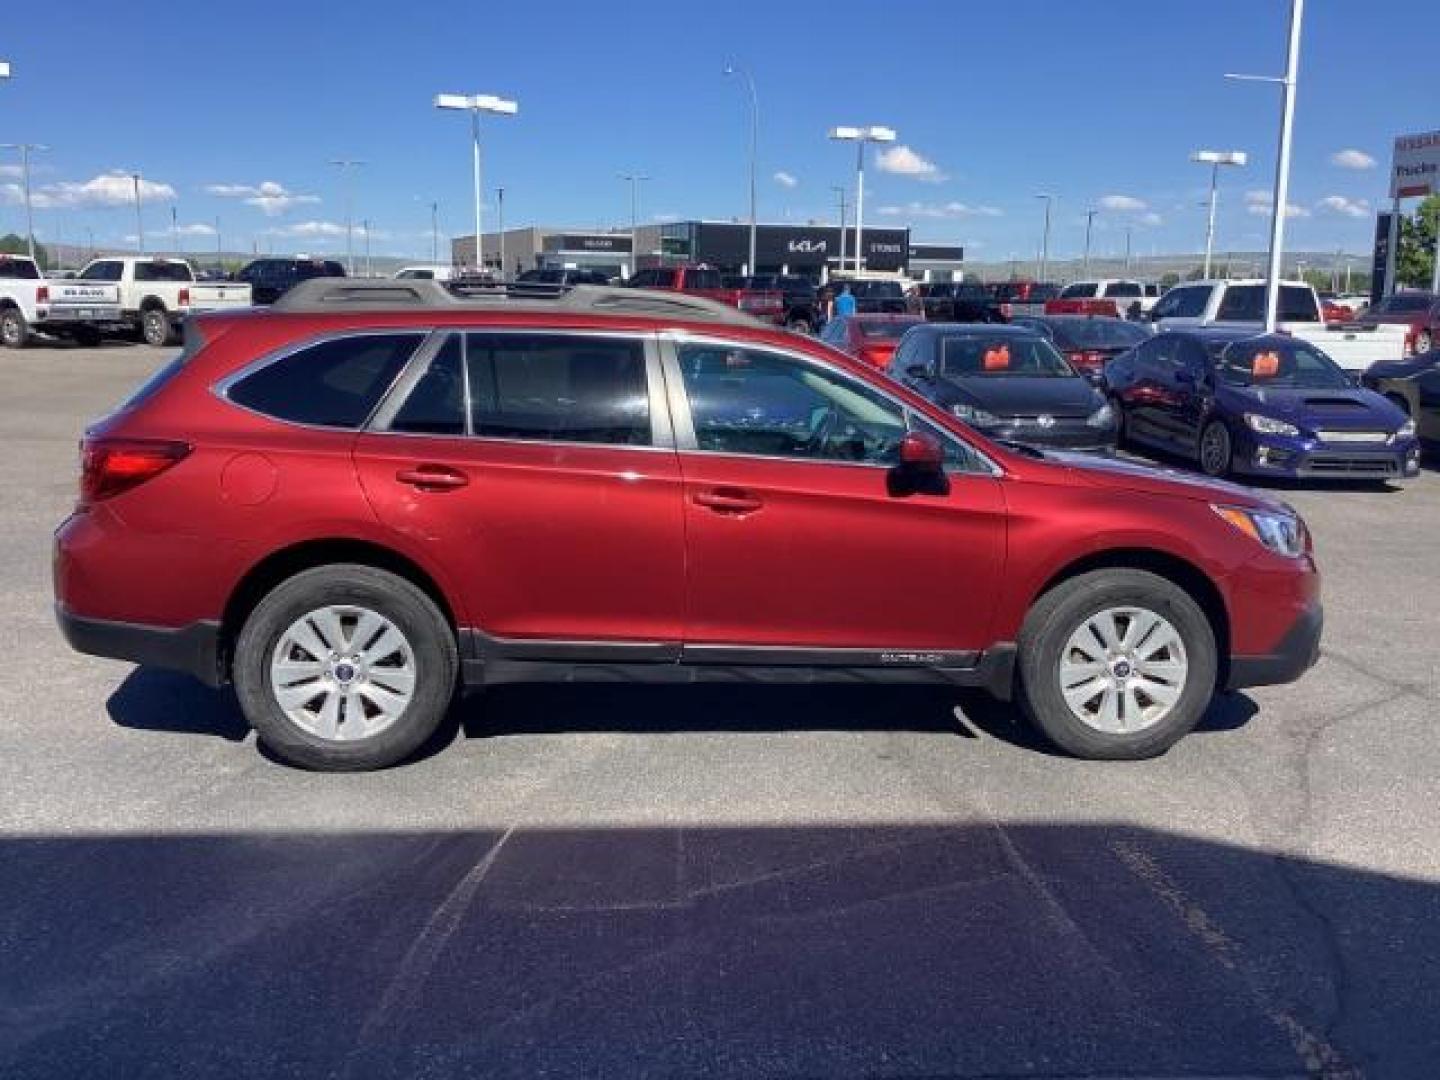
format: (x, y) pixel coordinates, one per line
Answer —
(194, 649)
(1296, 654)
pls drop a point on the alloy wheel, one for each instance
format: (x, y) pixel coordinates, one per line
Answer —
(1215, 451)
(1123, 670)
(343, 673)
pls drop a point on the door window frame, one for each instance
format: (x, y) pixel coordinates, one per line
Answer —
(683, 422)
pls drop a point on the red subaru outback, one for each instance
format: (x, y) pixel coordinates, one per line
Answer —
(375, 493)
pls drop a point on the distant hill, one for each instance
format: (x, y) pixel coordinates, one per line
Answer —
(72, 256)
(1154, 267)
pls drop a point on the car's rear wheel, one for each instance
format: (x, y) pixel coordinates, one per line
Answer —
(1217, 449)
(345, 667)
(1116, 664)
(14, 330)
(155, 327)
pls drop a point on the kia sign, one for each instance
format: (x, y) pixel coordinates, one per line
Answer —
(1415, 166)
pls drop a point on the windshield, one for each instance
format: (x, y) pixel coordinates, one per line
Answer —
(1279, 363)
(1098, 334)
(994, 356)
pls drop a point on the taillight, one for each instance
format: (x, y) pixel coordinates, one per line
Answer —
(111, 466)
(42, 294)
(1005, 310)
(184, 298)
(1412, 336)
(1086, 361)
(876, 355)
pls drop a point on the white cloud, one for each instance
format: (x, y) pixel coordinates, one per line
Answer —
(198, 228)
(785, 179)
(1260, 203)
(1151, 218)
(107, 189)
(1123, 203)
(270, 197)
(12, 171)
(313, 228)
(1339, 204)
(939, 210)
(1352, 159)
(902, 161)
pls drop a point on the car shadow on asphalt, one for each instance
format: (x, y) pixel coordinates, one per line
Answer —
(153, 700)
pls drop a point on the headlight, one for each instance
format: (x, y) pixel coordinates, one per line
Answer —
(1103, 417)
(972, 414)
(1282, 533)
(1266, 425)
(1404, 431)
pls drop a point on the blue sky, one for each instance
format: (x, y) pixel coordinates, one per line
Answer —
(1101, 102)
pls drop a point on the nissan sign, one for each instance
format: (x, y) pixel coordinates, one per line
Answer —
(1415, 165)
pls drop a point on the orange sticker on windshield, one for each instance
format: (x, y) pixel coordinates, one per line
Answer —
(1266, 365)
(997, 358)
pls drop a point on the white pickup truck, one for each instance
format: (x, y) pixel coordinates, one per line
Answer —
(1353, 346)
(1115, 297)
(29, 302)
(156, 294)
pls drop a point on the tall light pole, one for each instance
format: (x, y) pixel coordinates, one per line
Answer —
(435, 232)
(136, 179)
(219, 248)
(1215, 159)
(175, 228)
(840, 192)
(26, 149)
(365, 224)
(634, 180)
(1044, 265)
(500, 212)
(744, 73)
(1127, 249)
(860, 136)
(1089, 225)
(345, 165)
(475, 104)
(1282, 160)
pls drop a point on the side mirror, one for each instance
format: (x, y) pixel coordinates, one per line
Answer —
(921, 452)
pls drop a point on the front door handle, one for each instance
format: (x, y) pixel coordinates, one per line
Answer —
(726, 500)
(433, 477)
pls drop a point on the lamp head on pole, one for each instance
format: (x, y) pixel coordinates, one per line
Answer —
(1219, 157)
(477, 103)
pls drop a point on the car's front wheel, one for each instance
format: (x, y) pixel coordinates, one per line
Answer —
(1217, 449)
(344, 668)
(1116, 664)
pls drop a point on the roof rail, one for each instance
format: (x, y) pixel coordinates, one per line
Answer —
(329, 294)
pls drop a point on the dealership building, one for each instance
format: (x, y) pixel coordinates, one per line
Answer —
(813, 251)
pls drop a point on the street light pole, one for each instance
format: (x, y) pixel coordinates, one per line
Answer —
(840, 191)
(1215, 159)
(365, 224)
(1127, 249)
(345, 165)
(500, 212)
(434, 232)
(1045, 236)
(860, 136)
(634, 180)
(137, 180)
(175, 228)
(25, 150)
(1282, 160)
(1089, 224)
(475, 104)
(733, 69)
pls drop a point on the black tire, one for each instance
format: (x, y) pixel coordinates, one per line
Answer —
(431, 640)
(1057, 615)
(155, 327)
(14, 330)
(1218, 459)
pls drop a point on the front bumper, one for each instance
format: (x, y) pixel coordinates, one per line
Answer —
(194, 649)
(1309, 459)
(1296, 654)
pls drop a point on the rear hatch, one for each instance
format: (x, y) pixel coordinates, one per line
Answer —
(209, 296)
(87, 300)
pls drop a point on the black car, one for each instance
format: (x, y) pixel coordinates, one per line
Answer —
(873, 297)
(271, 278)
(956, 301)
(803, 311)
(1009, 382)
(1088, 341)
(554, 275)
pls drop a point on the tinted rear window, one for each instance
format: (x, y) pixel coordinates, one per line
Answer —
(334, 383)
(14, 269)
(1246, 303)
(163, 271)
(702, 279)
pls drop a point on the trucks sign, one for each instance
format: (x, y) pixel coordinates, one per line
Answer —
(1415, 166)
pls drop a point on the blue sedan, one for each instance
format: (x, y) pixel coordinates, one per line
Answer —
(1267, 405)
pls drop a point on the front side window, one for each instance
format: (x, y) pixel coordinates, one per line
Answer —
(1124, 289)
(558, 388)
(746, 401)
(333, 383)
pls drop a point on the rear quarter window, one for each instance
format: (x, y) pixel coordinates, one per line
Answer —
(333, 383)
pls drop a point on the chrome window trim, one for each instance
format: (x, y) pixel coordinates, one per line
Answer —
(686, 441)
(222, 387)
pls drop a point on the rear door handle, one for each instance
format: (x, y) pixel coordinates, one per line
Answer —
(727, 501)
(433, 477)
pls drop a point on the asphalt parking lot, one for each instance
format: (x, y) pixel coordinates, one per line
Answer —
(716, 881)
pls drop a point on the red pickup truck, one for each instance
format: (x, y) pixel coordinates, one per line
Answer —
(767, 305)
